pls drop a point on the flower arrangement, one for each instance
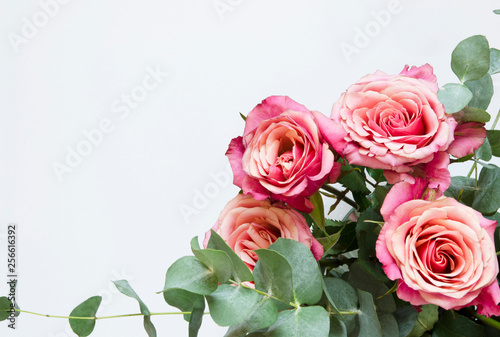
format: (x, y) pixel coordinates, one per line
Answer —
(416, 255)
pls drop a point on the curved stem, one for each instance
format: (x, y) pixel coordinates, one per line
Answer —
(488, 321)
(340, 195)
(104, 317)
(264, 294)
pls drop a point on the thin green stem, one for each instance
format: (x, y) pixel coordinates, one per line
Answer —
(495, 121)
(103, 317)
(488, 321)
(340, 195)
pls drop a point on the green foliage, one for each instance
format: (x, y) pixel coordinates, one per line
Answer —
(124, 287)
(342, 297)
(425, 320)
(264, 314)
(472, 114)
(240, 271)
(494, 61)
(216, 260)
(487, 198)
(470, 60)
(454, 97)
(452, 324)
(494, 140)
(88, 308)
(5, 307)
(482, 91)
(306, 276)
(318, 213)
(303, 322)
(273, 275)
(189, 273)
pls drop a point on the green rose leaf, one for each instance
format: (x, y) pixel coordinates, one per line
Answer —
(5, 306)
(425, 320)
(302, 322)
(191, 274)
(318, 212)
(494, 140)
(231, 304)
(216, 260)
(337, 327)
(474, 115)
(88, 308)
(482, 91)
(470, 60)
(306, 276)
(330, 241)
(353, 180)
(487, 198)
(454, 97)
(273, 275)
(369, 324)
(494, 61)
(241, 272)
(360, 278)
(452, 324)
(264, 314)
(124, 287)
(342, 297)
(184, 300)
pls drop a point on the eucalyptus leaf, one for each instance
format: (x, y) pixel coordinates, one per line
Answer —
(462, 188)
(302, 322)
(88, 308)
(124, 287)
(406, 317)
(454, 97)
(184, 300)
(196, 318)
(231, 304)
(306, 276)
(482, 91)
(241, 272)
(216, 260)
(5, 307)
(342, 297)
(264, 314)
(273, 275)
(191, 274)
(337, 327)
(494, 61)
(487, 199)
(369, 324)
(470, 60)
(388, 324)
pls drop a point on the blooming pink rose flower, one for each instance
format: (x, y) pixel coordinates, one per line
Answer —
(247, 224)
(282, 154)
(441, 252)
(394, 122)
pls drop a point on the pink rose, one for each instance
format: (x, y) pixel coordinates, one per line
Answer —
(246, 224)
(282, 154)
(441, 252)
(394, 122)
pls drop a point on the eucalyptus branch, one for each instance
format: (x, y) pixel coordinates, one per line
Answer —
(340, 195)
(103, 317)
(495, 121)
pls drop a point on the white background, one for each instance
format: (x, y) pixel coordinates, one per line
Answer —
(117, 214)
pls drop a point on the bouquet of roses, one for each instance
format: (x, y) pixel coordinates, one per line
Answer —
(416, 254)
